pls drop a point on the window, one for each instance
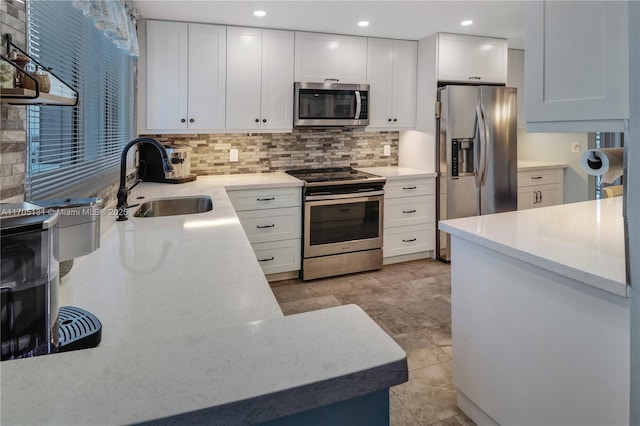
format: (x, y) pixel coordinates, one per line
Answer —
(75, 151)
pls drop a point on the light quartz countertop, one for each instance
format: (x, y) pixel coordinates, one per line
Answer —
(192, 330)
(524, 165)
(395, 172)
(582, 241)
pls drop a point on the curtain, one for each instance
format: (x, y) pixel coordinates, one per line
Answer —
(115, 19)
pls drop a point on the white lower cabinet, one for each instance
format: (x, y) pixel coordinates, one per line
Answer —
(409, 218)
(272, 220)
(409, 239)
(540, 188)
(278, 256)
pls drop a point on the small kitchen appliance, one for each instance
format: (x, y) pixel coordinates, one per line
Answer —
(78, 223)
(31, 322)
(331, 105)
(342, 221)
(29, 283)
(151, 168)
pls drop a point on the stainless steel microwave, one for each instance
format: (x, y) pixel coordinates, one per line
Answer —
(330, 105)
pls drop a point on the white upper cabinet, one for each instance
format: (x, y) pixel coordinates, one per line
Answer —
(392, 67)
(185, 76)
(329, 57)
(259, 79)
(515, 79)
(471, 59)
(576, 69)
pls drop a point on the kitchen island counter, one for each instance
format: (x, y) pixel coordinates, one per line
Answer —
(583, 241)
(192, 331)
(540, 315)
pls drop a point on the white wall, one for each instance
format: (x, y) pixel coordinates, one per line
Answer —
(556, 147)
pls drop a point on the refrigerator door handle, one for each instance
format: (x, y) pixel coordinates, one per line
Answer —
(485, 148)
(480, 161)
(477, 147)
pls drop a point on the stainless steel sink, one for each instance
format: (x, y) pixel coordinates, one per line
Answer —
(174, 206)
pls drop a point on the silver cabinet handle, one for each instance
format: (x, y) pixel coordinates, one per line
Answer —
(409, 187)
(266, 226)
(536, 177)
(475, 78)
(410, 240)
(266, 260)
(535, 194)
(266, 199)
(409, 211)
(331, 79)
(540, 193)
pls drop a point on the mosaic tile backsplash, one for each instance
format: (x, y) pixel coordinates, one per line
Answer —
(269, 152)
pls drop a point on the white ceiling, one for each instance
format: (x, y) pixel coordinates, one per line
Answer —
(411, 20)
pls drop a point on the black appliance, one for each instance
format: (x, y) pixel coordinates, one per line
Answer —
(152, 170)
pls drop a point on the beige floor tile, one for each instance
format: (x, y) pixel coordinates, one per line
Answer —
(464, 420)
(291, 291)
(429, 311)
(398, 321)
(421, 352)
(398, 413)
(306, 305)
(429, 394)
(430, 286)
(440, 334)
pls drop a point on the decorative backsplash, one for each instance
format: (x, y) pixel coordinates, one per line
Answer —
(268, 152)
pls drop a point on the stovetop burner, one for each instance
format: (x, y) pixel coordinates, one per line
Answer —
(334, 176)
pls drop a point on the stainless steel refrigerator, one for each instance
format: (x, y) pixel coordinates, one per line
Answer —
(477, 154)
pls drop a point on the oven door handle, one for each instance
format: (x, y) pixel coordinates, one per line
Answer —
(342, 196)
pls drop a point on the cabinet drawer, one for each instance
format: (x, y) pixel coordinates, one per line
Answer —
(257, 199)
(409, 211)
(539, 177)
(409, 239)
(409, 187)
(271, 224)
(278, 256)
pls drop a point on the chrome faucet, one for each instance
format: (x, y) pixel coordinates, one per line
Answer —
(123, 192)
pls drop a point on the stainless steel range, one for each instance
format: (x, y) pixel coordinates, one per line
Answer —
(342, 221)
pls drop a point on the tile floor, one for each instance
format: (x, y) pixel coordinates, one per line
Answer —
(411, 301)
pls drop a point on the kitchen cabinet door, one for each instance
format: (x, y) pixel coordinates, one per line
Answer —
(405, 74)
(539, 196)
(167, 58)
(516, 79)
(259, 79)
(540, 188)
(577, 69)
(380, 79)
(277, 79)
(207, 74)
(244, 77)
(392, 75)
(330, 57)
(471, 59)
(185, 76)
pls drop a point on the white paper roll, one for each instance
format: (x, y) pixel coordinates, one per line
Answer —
(605, 162)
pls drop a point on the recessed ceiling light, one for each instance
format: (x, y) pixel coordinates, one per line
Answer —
(363, 23)
(260, 13)
(467, 22)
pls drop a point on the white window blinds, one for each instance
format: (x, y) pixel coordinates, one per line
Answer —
(75, 151)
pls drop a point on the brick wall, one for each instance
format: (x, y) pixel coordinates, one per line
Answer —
(267, 152)
(13, 147)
